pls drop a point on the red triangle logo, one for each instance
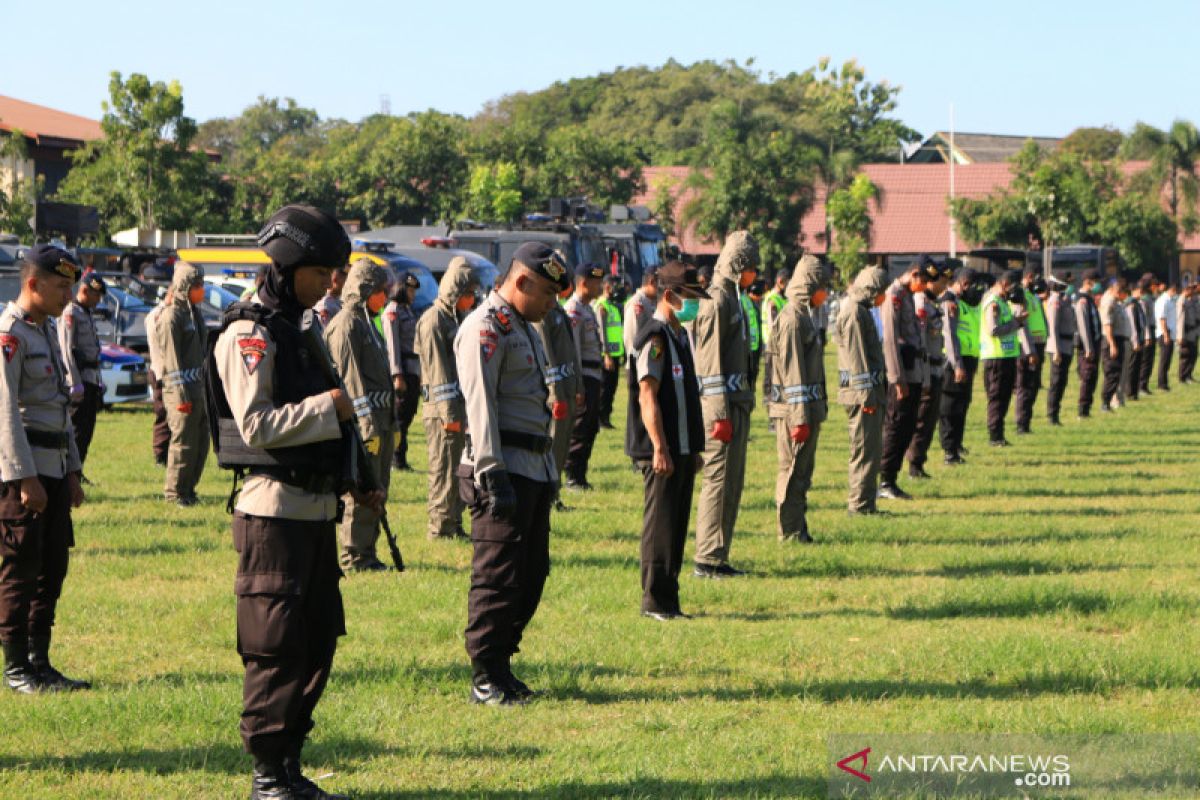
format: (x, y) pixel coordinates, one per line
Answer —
(861, 755)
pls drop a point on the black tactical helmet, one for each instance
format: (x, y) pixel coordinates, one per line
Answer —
(300, 235)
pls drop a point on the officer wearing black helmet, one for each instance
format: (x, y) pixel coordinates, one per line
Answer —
(279, 421)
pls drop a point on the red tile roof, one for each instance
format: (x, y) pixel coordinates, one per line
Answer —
(39, 122)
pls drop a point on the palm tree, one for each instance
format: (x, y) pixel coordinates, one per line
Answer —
(1173, 156)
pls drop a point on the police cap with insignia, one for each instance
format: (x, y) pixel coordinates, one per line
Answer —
(589, 270)
(94, 282)
(543, 259)
(928, 268)
(54, 260)
(303, 236)
(411, 280)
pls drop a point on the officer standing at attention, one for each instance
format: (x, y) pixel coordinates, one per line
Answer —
(1135, 320)
(590, 346)
(960, 329)
(280, 419)
(721, 347)
(607, 309)
(160, 437)
(1167, 332)
(331, 302)
(563, 377)
(1114, 325)
(753, 322)
(1187, 314)
(904, 351)
(443, 412)
(1151, 287)
(664, 435)
(1089, 337)
(507, 476)
(399, 323)
(1029, 370)
(1060, 341)
(1002, 341)
(39, 470)
(772, 304)
(862, 384)
(639, 310)
(80, 348)
(797, 402)
(360, 358)
(932, 323)
(182, 342)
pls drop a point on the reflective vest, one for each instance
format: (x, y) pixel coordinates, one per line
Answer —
(996, 347)
(614, 331)
(1037, 316)
(968, 329)
(751, 321)
(775, 298)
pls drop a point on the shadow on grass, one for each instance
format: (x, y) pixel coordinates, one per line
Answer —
(1117, 489)
(153, 549)
(997, 541)
(1009, 566)
(775, 785)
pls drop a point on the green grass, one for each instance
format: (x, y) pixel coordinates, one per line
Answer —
(1051, 587)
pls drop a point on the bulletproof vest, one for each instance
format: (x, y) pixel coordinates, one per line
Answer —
(752, 326)
(614, 331)
(998, 347)
(678, 399)
(1037, 316)
(295, 377)
(969, 324)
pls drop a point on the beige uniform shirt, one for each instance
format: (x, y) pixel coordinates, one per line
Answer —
(1112, 314)
(903, 345)
(327, 308)
(639, 310)
(441, 395)
(1060, 325)
(721, 343)
(562, 359)
(586, 330)
(245, 358)
(931, 321)
(182, 343)
(80, 345)
(360, 358)
(862, 373)
(33, 396)
(501, 367)
(399, 333)
(797, 368)
(152, 341)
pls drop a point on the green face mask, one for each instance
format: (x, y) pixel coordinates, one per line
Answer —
(688, 313)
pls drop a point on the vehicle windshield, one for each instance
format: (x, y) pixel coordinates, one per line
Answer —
(218, 297)
(590, 250)
(650, 254)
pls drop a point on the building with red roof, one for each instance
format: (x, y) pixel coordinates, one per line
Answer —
(50, 135)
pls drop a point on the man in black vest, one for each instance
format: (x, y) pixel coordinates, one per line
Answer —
(280, 419)
(664, 436)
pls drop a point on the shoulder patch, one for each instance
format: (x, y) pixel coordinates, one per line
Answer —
(503, 320)
(252, 349)
(69, 319)
(656, 348)
(9, 345)
(488, 342)
(391, 316)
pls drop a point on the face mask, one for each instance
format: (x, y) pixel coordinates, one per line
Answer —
(196, 295)
(879, 299)
(690, 308)
(465, 303)
(746, 278)
(377, 301)
(818, 298)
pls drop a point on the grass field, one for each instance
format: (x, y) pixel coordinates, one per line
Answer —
(1050, 588)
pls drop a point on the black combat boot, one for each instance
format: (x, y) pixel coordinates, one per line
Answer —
(491, 686)
(302, 787)
(52, 679)
(271, 782)
(19, 674)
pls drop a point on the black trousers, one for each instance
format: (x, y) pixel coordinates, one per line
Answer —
(83, 418)
(1029, 382)
(1146, 362)
(1112, 370)
(583, 435)
(1187, 359)
(899, 422)
(405, 406)
(34, 554)
(999, 377)
(666, 513)
(1165, 351)
(956, 399)
(928, 410)
(1060, 373)
(509, 566)
(289, 618)
(608, 390)
(1089, 374)
(160, 437)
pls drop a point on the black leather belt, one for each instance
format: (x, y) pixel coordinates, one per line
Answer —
(50, 440)
(83, 364)
(532, 442)
(588, 364)
(936, 361)
(308, 480)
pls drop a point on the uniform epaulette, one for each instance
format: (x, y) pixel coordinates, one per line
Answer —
(502, 317)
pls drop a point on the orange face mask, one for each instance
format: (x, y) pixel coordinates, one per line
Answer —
(196, 295)
(465, 303)
(377, 301)
(818, 298)
(746, 278)
(879, 299)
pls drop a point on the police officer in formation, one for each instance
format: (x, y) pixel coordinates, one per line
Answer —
(907, 370)
(564, 377)
(1187, 314)
(280, 421)
(1060, 343)
(40, 472)
(507, 476)
(797, 402)
(80, 348)
(331, 302)
(607, 308)
(360, 357)
(1167, 331)
(960, 344)
(1115, 349)
(443, 412)
(664, 436)
(1003, 341)
(1150, 287)
(1089, 337)
(750, 309)
(863, 384)
(639, 310)
(160, 436)
(1135, 314)
(399, 325)
(585, 329)
(772, 304)
(1029, 370)
(932, 324)
(181, 339)
(721, 346)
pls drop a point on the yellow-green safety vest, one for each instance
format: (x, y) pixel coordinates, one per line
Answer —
(1037, 316)
(614, 331)
(968, 329)
(751, 321)
(997, 347)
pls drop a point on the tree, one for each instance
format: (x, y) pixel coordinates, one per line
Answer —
(849, 213)
(144, 172)
(1095, 144)
(579, 163)
(663, 205)
(17, 200)
(1173, 155)
(494, 193)
(258, 128)
(1141, 230)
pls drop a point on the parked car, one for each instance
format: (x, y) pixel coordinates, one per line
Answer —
(124, 374)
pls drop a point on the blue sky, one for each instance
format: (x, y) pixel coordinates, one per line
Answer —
(1018, 67)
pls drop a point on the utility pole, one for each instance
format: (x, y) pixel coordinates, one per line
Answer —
(953, 224)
